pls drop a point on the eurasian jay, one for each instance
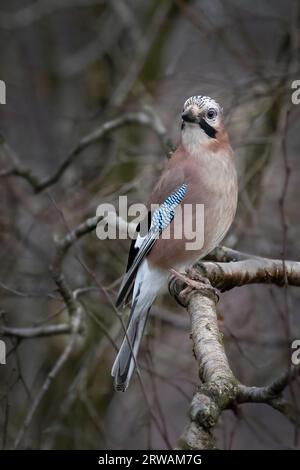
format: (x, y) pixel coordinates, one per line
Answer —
(200, 171)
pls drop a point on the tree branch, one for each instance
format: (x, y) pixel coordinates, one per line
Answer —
(76, 323)
(220, 389)
(272, 395)
(142, 118)
(226, 276)
(219, 385)
(30, 14)
(35, 332)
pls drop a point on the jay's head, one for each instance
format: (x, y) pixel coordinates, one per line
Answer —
(202, 121)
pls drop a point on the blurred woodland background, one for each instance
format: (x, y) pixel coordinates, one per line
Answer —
(70, 66)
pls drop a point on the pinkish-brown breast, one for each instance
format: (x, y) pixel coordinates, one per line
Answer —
(212, 182)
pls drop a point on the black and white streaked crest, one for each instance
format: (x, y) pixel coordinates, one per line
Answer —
(203, 102)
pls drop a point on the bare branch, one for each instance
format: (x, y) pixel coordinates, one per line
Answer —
(223, 254)
(267, 393)
(76, 316)
(143, 48)
(35, 332)
(64, 244)
(142, 118)
(272, 395)
(51, 376)
(219, 389)
(219, 384)
(226, 276)
(37, 10)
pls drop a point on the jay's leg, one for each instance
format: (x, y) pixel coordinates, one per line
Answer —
(193, 280)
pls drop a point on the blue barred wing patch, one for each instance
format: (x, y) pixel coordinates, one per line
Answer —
(161, 218)
(164, 215)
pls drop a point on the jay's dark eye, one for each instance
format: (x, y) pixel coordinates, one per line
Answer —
(211, 113)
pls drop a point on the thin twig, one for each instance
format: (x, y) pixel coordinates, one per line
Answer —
(142, 118)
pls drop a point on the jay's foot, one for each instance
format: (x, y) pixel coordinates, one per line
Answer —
(194, 281)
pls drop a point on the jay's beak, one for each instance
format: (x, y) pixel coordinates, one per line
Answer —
(189, 116)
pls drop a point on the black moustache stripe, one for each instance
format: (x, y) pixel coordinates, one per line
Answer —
(209, 130)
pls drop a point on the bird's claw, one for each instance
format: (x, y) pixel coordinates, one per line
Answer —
(194, 281)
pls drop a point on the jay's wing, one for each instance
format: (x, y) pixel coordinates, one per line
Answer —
(158, 221)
